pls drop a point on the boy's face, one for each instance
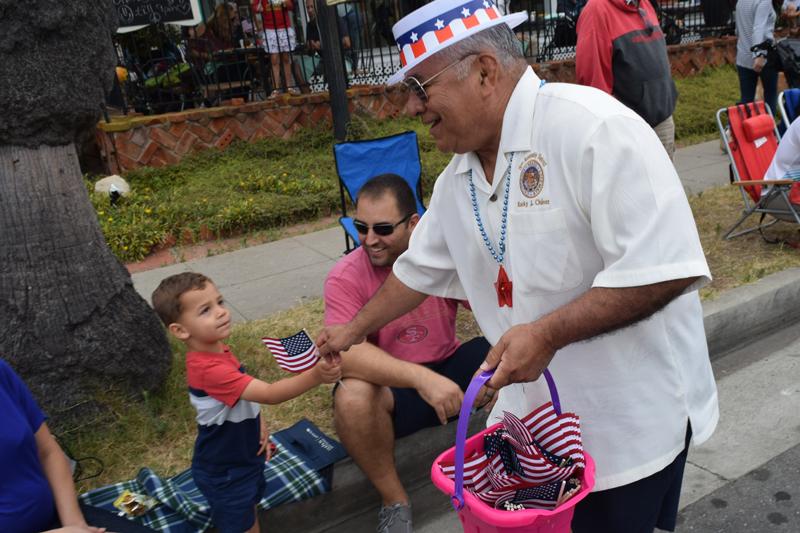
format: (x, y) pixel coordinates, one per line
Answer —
(204, 321)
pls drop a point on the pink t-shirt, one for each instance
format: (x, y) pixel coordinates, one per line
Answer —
(425, 335)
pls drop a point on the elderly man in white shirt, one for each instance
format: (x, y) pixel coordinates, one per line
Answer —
(562, 221)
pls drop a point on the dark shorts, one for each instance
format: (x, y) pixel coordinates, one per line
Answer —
(638, 507)
(412, 413)
(232, 496)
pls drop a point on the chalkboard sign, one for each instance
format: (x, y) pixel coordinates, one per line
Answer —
(143, 12)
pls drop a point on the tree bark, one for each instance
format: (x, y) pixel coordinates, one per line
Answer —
(72, 322)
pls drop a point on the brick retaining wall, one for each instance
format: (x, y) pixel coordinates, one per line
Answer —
(158, 140)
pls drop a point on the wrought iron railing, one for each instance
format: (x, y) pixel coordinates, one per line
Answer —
(172, 68)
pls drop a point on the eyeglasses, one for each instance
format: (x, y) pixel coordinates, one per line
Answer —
(381, 228)
(399, 93)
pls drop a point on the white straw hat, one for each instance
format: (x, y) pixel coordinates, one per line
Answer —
(441, 23)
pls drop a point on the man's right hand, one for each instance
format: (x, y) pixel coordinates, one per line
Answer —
(759, 63)
(338, 338)
(443, 394)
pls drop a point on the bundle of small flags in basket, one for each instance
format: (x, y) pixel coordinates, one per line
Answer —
(533, 463)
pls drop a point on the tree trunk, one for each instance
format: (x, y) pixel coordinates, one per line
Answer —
(73, 322)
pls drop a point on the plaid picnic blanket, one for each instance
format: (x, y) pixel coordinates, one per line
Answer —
(182, 507)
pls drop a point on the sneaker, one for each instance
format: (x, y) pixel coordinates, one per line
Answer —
(395, 519)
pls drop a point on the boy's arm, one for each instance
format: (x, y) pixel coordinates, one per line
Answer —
(325, 371)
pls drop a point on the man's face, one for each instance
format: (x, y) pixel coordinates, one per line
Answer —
(453, 107)
(204, 319)
(384, 250)
(311, 10)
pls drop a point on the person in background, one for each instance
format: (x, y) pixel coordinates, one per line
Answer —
(351, 13)
(314, 67)
(279, 41)
(621, 50)
(755, 27)
(36, 488)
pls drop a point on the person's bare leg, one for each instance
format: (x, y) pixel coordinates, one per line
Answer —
(255, 528)
(286, 62)
(363, 418)
(275, 63)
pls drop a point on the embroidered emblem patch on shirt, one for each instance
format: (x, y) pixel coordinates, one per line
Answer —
(531, 176)
(412, 334)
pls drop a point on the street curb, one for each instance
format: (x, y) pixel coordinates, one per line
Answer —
(737, 317)
(746, 313)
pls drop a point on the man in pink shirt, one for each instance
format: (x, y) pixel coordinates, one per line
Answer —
(409, 375)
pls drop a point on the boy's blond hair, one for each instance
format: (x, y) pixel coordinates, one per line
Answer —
(167, 296)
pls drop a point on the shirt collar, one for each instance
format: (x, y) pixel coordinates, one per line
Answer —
(517, 123)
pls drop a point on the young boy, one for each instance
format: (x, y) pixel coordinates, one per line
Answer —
(232, 440)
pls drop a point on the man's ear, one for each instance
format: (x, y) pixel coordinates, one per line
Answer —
(412, 221)
(178, 331)
(489, 70)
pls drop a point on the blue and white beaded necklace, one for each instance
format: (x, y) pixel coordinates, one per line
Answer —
(503, 285)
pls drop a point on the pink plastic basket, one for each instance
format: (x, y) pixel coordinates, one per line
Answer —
(476, 516)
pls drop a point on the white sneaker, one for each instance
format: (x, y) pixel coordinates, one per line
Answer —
(395, 518)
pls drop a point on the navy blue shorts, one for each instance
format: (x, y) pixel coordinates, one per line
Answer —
(638, 507)
(232, 496)
(412, 413)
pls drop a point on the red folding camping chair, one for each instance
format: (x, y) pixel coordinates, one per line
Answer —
(751, 146)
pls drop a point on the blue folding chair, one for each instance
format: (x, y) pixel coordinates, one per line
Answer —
(358, 161)
(789, 105)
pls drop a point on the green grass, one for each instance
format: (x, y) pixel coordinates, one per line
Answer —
(699, 97)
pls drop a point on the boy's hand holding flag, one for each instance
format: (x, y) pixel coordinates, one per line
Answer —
(296, 353)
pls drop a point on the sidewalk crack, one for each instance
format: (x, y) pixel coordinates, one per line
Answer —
(704, 469)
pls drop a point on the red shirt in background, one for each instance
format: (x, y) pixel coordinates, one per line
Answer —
(274, 16)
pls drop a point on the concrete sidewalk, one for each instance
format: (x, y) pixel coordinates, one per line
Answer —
(263, 279)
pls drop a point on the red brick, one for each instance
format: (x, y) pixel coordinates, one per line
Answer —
(124, 164)
(163, 138)
(320, 113)
(224, 140)
(177, 129)
(126, 147)
(205, 134)
(170, 158)
(218, 124)
(148, 152)
(216, 112)
(291, 116)
(236, 128)
(185, 143)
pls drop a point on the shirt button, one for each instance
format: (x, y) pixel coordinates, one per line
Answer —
(492, 198)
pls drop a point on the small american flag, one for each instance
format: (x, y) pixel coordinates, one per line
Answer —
(293, 354)
(541, 497)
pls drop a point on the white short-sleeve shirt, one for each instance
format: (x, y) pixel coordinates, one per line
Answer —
(594, 201)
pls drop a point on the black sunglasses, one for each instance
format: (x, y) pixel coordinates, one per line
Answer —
(381, 228)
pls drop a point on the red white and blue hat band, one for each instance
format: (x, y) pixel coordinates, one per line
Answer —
(441, 23)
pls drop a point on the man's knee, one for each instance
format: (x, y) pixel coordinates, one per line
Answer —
(355, 396)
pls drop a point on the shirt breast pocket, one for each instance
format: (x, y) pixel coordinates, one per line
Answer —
(543, 257)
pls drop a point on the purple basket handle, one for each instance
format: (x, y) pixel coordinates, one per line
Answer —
(457, 499)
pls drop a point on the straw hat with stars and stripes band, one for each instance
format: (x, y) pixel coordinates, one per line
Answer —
(441, 23)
